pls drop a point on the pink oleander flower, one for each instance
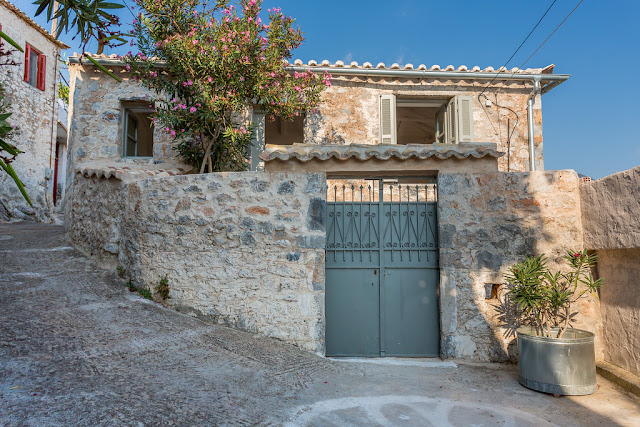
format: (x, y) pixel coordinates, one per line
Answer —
(193, 110)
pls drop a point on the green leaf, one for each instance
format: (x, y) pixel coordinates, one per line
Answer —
(9, 148)
(10, 41)
(104, 69)
(103, 5)
(9, 170)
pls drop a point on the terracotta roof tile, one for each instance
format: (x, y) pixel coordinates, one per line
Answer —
(307, 152)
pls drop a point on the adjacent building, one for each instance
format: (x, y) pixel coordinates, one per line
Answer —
(31, 87)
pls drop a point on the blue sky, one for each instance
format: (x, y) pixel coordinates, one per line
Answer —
(589, 121)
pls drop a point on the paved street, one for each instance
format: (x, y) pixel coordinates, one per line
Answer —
(77, 348)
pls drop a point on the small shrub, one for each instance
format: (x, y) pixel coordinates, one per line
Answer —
(120, 272)
(544, 297)
(145, 293)
(131, 286)
(162, 288)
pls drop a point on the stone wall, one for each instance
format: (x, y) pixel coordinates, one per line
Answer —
(242, 249)
(611, 218)
(246, 249)
(349, 113)
(96, 105)
(93, 216)
(488, 222)
(35, 112)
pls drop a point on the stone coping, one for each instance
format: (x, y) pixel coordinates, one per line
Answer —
(307, 152)
(131, 172)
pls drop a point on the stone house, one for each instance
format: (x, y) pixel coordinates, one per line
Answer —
(381, 225)
(31, 87)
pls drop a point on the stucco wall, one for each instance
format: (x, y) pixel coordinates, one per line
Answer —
(35, 112)
(242, 249)
(620, 304)
(488, 222)
(611, 211)
(611, 218)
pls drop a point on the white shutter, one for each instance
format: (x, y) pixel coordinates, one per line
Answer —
(388, 119)
(452, 122)
(465, 118)
(257, 142)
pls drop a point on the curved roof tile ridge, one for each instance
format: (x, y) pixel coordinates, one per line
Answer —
(308, 152)
(380, 66)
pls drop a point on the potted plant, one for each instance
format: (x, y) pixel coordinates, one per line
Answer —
(554, 358)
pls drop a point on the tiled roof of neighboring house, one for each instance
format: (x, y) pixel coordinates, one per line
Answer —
(307, 152)
(339, 65)
(31, 22)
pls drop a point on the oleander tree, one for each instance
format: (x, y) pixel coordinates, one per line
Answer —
(208, 62)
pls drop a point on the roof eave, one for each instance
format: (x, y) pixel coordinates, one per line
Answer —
(13, 8)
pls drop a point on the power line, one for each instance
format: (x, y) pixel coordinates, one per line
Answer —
(545, 40)
(127, 7)
(519, 47)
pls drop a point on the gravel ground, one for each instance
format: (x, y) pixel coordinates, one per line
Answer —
(77, 348)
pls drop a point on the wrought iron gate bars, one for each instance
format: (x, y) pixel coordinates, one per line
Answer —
(407, 227)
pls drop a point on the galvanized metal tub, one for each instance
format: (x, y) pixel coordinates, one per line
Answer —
(565, 366)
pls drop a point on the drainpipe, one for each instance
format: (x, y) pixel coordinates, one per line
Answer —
(530, 102)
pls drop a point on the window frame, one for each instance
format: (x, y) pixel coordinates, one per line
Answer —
(125, 130)
(456, 112)
(40, 68)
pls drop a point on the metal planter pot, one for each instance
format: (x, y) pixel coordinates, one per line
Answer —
(565, 366)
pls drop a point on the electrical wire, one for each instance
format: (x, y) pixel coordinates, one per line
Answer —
(519, 47)
(129, 9)
(545, 40)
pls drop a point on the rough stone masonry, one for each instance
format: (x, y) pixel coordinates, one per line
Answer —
(241, 249)
(246, 249)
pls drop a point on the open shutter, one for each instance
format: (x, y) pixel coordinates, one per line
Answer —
(465, 118)
(388, 119)
(27, 62)
(452, 122)
(42, 71)
(257, 142)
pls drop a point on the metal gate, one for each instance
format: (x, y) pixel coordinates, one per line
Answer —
(382, 272)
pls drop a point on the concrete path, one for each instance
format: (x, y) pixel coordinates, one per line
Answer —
(77, 348)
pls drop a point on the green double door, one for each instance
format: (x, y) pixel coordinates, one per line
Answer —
(382, 274)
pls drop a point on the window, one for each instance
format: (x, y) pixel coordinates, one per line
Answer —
(137, 135)
(35, 67)
(426, 121)
(275, 132)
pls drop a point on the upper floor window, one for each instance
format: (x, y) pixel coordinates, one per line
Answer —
(278, 131)
(426, 121)
(137, 135)
(35, 67)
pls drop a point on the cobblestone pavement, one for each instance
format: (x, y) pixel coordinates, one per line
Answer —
(77, 348)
